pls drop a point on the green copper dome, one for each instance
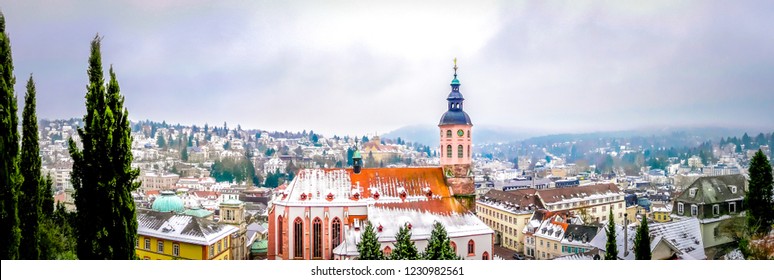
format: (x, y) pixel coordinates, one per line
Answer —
(455, 82)
(356, 154)
(168, 202)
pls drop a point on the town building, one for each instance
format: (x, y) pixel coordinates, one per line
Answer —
(168, 236)
(158, 181)
(507, 213)
(677, 240)
(322, 212)
(592, 202)
(712, 200)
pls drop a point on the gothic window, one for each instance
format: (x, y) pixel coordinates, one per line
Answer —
(471, 248)
(448, 133)
(279, 235)
(485, 256)
(298, 238)
(453, 246)
(459, 151)
(336, 234)
(448, 150)
(317, 233)
(387, 251)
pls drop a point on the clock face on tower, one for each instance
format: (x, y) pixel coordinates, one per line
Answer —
(460, 133)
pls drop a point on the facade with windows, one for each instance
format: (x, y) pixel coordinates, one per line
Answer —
(592, 203)
(170, 236)
(322, 213)
(712, 200)
(507, 213)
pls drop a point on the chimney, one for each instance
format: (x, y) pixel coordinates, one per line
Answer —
(626, 235)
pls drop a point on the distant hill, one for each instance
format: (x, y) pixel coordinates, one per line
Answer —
(677, 136)
(428, 134)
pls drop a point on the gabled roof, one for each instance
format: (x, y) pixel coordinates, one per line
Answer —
(581, 192)
(714, 189)
(182, 228)
(312, 186)
(512, 201)
(685, 235)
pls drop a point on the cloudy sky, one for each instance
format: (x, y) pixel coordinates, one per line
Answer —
(360, 67)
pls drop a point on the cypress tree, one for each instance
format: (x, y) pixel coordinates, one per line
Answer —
(642, 241)
(405, 249)
(439, 246)
(611, 248)
(47, 193)
(102, 176)
(369, 247)
(10, 178)
(758, 199)
(30, 198)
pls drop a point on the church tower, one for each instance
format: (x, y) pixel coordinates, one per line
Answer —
(456, 142)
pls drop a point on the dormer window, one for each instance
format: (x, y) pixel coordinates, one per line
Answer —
(692, 192)
(733, 189)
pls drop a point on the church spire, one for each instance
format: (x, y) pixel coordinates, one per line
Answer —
(455, 82)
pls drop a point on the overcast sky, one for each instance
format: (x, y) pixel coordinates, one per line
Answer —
(361, 67)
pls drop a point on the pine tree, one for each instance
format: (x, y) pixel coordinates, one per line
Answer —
(102, 176)
(369, 247)
(405, 249)
(439, 246)
(611, 248)
(10, 178)
(760, 212)
(29, 196)
(642, 241)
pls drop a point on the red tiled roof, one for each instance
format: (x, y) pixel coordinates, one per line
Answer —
(413, 180)
(152, 192)
(443, 206)
(206, 194)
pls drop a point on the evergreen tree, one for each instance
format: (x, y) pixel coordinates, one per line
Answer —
(29, 196)
(184, 154)
(439, 246)
(47, 193)
(10, 178)
(405, 249)
(102, 176)
(760, 212)
(642, 241)
(160, 142)
(369, 247)
(611, 248)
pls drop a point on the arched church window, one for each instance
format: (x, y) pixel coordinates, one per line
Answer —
(279, 235)
(448, 133)
(448, 150)
(336, 234)
(459, 151)
(298, 239)
(317, 234)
